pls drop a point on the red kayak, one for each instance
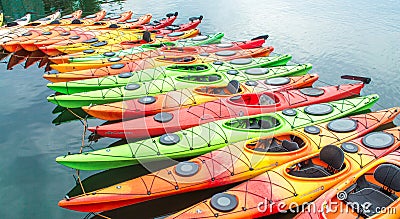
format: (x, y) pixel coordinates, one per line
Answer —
(174, 100)
(240, 105)
(158, 24)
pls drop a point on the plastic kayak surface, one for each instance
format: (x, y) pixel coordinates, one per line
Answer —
(301, 181)
(174, 100)
(193, 64)
(214, 135)
(161, 46)
(224, 108)
(139, 89)
(233, 163)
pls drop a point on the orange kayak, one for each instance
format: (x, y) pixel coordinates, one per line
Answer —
(233, 163)
(303, 180)
(174, 100)
(117, 68)
(375, 187)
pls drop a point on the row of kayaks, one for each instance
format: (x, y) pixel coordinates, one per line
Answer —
(94, 34)
(236, 112)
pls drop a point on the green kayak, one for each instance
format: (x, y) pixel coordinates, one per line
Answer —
(195, 41)
(211, 136)
(163, 72)
(216, 77)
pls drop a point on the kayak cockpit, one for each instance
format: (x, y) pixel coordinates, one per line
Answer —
(189, 68)
(176, 59)
(283, 143)
(329, 163)
(253, 123)
(233, 87)
(253, 99)
(211, 78)
(379, 188)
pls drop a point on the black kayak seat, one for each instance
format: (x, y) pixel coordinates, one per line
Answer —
(233, 87)
(378, 197)
(331, 155)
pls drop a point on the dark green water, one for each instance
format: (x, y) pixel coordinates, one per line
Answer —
(337, 37)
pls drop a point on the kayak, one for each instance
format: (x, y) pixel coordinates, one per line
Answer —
(78, 38)
(158, 24)
(17, 43)
(95, 17)
(151, 68)
(124, 36)
(160, 46)
(49, 46)
(53, 36)
(126, 39)
(174, 100)
(117, 39)
(132, 47)
(375, 187)
(215, 135)
(302, 180)
(108, 61)
(119, 65)
(136, 90)
(46, 20)
(20, 22)
(224, 108)
(141, 53)
(118, 17)
(246, 159)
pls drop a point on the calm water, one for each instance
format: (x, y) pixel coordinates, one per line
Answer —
(337, 37)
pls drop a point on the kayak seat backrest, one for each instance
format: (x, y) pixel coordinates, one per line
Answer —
(233, 87)
(273, 145)
(389, 176)
(265, 100)
(332, 155)
(188, 67)
(147, 36)
(378, 197)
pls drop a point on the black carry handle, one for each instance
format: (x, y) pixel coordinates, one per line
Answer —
(261, 37)
(364, 80)
(172, 14)
(196, 18)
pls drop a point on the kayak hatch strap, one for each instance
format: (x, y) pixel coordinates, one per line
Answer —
(365, 80)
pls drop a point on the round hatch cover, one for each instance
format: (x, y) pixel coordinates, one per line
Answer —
(169, 139)
(163, 117)
(349, 147)
(378, 140)
(277, 81)
(187, 168)
(342, 125)
(224, 202)
(132, 86)
(319, 109)
(312, 91)
(312, 130)
(243, 61)
(147, 100)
